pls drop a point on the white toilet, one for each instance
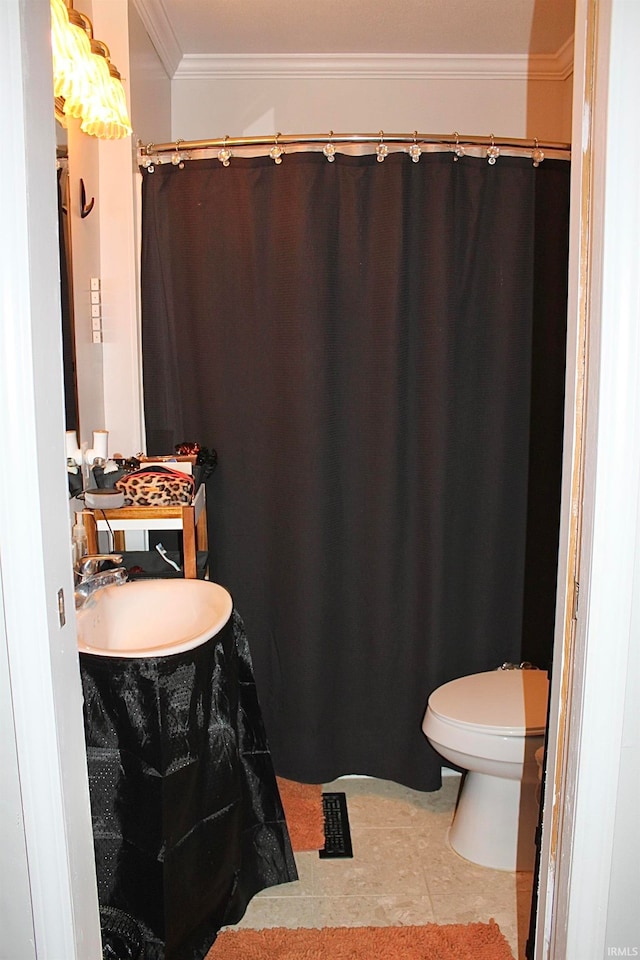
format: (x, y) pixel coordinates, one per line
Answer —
(491, 725)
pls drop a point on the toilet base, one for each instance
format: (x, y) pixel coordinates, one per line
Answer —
(495, 821)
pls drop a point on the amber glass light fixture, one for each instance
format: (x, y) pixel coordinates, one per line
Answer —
(86, 84)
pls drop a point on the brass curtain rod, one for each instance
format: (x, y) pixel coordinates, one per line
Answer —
(445, 140)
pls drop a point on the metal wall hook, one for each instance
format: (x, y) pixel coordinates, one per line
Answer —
(85, 208)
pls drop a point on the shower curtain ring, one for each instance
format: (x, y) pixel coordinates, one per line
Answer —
(458, 150)
(381, 150)
(493, 152)
(276, 151)
(224, 155)
(414, 150)
(329, 150)
(149, 163)
(177, 158)
(537, 154)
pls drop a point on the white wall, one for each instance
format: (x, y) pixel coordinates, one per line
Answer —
(622, 307)
(623, 926)
(85, 261)
(149, 85)
(105, 243)
(264, 105)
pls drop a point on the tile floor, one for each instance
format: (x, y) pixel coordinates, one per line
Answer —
(402, 871)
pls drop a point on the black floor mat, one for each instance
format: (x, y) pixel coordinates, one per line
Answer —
(337, 836)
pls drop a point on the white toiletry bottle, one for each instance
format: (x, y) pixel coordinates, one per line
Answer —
(79, 539)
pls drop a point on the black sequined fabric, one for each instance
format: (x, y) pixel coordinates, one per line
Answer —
(187, 820)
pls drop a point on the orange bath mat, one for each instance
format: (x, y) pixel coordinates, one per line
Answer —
(473, 941)
(302, 804)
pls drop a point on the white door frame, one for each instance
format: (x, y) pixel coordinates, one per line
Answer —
(49, 895)
(600, 542)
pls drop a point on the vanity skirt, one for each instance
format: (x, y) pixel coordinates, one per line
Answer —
(187, 820)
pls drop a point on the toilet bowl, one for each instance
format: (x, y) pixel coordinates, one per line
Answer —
(491, 725)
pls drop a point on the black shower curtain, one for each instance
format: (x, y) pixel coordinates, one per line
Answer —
(366, 345)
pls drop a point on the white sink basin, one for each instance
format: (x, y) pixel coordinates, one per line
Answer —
(152, 618)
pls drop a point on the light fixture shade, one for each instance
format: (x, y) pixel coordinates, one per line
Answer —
(104, 119)
(106, 116)
(70, 52)
(60, 53)
(118, 102)
(82, 73)
(95, 113)
(84, 77)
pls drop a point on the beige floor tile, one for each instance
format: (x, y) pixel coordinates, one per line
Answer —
(362, 877)
(381, 911)
(447, 873)
(380, 803)
(402, 872)
(291, 912)
(337, 912)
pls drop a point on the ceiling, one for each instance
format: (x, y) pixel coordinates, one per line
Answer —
(188, 30)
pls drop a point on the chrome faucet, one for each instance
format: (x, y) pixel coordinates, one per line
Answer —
(94, 571)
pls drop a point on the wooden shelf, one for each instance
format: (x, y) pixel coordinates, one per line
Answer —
(191, 519)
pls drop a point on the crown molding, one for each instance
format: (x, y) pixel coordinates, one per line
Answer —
(383, 66)
(157, 24)
(564, 59)
(374, 66)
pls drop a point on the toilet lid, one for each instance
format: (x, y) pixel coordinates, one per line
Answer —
(507, 702)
